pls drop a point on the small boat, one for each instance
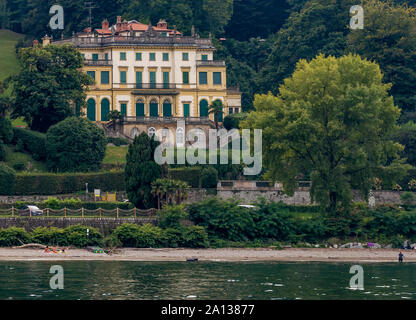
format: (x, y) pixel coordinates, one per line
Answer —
(192, 259)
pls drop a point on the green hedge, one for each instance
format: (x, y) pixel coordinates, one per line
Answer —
(50, 183)
(7, 179)
(33, 142)
(190, 175)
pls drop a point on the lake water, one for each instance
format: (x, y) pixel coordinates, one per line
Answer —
(205, 280)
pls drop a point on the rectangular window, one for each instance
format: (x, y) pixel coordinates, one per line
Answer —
(83, 56)
(203, 79)
(95, 56)
(217, 77)
(139, 79)
(152, 56)
(105, 77)
(152, 77)
(186, 110)
(106, 56)
(123, 108)
(122, 56)
(91, 74)
(204, 57)
(165, 56)
(165, 80)
(185, 56)
(185, 77)
(164, 34)
(123, 77)
(138, 56)
(230, 110)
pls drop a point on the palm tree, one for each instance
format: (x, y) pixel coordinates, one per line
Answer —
(216, 108)
(167, 191)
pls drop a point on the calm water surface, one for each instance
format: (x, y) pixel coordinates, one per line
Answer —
(205, 280)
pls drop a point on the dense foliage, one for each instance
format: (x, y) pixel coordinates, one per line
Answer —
(141, 170)
(75, 145)
(49, 83)
(30, 141)
(7, 180)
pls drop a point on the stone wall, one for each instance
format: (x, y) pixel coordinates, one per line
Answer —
(120, 196)
(104, 225)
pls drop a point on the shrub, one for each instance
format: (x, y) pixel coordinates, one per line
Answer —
(50, 183)
(127, 234)
(75, 144)
(33, 142)
(50, 236)
(172, 237)
(117, 141)
(77, 236)
(7, 180)
(222, 219)
(209, 177)
(171, 216)
(19, 166)
(407, 197)
(148, 236)
(194, 237)
(6, 130)
(190, 175)
(2, 151)
(13, 236)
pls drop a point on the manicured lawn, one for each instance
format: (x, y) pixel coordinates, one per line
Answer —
(19, 122)
(8, 62)
(31, 165)
(115, 155)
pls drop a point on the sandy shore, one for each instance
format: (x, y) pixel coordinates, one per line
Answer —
(266, 254)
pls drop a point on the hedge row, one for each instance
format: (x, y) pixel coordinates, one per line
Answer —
(50, 183)
(33, 142)
(190, 175)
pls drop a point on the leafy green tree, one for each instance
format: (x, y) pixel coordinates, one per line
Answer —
(333, 117)
(218, 13)
(141, 170)
(75, 144)
(406, 136)
(389, 38)
(49, 84)
(6, 130)
(321, 26)
(169, 191)
(209, 177)
(7, 180)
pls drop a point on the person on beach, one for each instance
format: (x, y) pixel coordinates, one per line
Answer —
(55, 250)
(47, 250)
(400, 257)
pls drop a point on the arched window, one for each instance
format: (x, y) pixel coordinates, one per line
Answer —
(91, 109)
(105, 109)
(154, 108)
(167, 108)
(134, 132)
(180, 137)
(203, 108)
(151, 132)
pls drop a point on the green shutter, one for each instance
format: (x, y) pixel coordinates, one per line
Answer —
(139, 109)
(152, 56)
(204, 57)
(95, 56)
(203, 108)
(185, 75)
(139, 79)
(166, 80)
(154, 110)
(165, 56)
(186, 112)
(105, 109)
(138, 56)
(152, 76)
(91, 109)
(123, 76)
(122, 56)
(105, 77)
(217, 77)
(123, 108)
(167, 110)
(203, 78)
(91, 74)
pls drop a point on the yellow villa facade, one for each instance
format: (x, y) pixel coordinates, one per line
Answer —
(154, 76)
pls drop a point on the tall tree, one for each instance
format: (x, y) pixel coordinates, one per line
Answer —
(389, 38)
(49, 84)
(141, 170)
(333, 118)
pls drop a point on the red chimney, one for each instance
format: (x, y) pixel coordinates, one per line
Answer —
(105, 24)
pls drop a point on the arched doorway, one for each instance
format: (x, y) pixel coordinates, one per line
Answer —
(154, 108)
(167, 108)
(105, 109)
(91, 109)
(203, 108)
(219, 115)
(139, 108)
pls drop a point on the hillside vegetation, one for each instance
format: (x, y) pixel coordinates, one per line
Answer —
(8, 62)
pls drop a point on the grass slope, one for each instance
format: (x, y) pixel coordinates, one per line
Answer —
(8, 62)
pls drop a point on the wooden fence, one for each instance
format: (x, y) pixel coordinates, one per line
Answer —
(80, 213)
